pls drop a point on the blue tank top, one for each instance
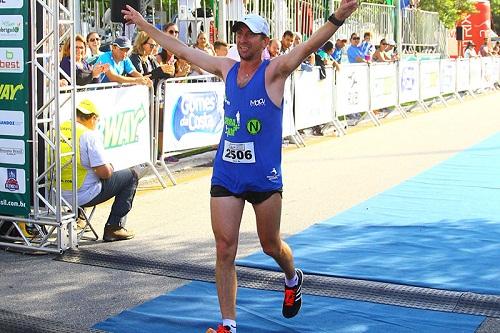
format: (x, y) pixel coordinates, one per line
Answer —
(249, 154)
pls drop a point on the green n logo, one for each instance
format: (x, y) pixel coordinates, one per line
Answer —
(254, 126)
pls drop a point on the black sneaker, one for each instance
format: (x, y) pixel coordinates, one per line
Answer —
(293, 297)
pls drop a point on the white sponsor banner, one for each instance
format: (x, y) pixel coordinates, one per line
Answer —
(463, 75)
(313, 98)
(409, 78)
(429, 79)
(497, 68)
(12, 180)
(8, 4)
(488, 71)
(496, 60)
(352, 87)
(124, 122)
(11, 27)
(12, 123)
(448, 76)
(12, 151)
(288, 123)
(11, 60)
(383, 85)
(475, 74)
(194, 115)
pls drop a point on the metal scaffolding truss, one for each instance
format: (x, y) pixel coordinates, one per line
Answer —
(49, 227)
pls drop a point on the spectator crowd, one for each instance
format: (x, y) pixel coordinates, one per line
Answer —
(144, 62)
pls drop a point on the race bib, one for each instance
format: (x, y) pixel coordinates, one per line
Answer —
(238, 152)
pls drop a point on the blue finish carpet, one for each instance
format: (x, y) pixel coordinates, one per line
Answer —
(194, 308)
(440, 229)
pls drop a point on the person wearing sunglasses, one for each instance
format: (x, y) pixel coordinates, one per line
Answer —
(94, 45)
(182, 67)
(85, 73)
(380, 54)
(144, 60)
(355, 53)
(171, 29)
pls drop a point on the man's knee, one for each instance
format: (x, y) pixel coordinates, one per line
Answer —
(272, 247)
(226, 249)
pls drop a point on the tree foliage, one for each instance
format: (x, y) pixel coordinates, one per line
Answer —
(495, 14)
(449, 10)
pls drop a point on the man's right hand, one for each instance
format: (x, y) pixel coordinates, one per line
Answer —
(346, 8)
(132, 16)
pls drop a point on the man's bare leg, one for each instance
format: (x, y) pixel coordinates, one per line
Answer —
(226, 215)
(268, 216)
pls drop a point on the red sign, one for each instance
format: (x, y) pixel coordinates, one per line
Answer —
(476, 27)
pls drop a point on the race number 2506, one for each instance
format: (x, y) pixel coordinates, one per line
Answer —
(239, 152)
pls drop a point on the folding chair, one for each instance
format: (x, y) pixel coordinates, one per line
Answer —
(86, 218)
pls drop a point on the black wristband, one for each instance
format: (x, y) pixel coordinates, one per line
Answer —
(335, 21)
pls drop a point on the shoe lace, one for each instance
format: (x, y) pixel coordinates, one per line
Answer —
(289, 296)
(223, 329)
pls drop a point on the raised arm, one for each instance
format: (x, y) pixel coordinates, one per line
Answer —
(286, 64)
(215, 65)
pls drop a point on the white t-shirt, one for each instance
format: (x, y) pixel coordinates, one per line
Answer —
(470, 53)
(92, 155)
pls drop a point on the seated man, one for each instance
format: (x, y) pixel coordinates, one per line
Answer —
(96, 180)
(121, 68)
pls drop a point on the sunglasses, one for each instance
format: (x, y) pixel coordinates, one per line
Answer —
(94, 39)
(152, 45)
(356, 38)
(172, 32)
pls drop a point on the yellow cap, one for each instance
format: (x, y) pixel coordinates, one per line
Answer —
(87, 107)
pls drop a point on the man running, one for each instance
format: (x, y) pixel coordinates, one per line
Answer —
(247, 165)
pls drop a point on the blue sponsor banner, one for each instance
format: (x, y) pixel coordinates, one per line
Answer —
(195, 113)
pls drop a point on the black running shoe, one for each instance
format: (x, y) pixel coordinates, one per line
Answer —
(293, 297)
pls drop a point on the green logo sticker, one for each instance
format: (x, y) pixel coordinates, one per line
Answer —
(231, 125)
(254, 126)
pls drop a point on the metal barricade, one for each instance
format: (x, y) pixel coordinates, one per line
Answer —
(374, 18)
(422, 32)
(194, 107)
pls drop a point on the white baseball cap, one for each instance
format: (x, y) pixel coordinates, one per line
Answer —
(257, 24)
(391, 42)
(342, 37)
